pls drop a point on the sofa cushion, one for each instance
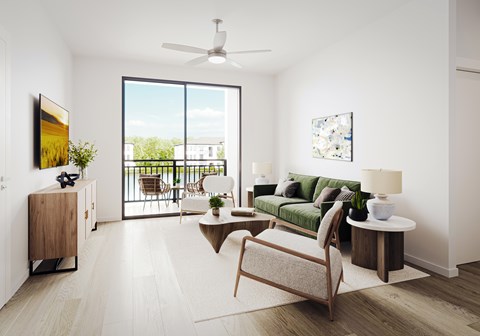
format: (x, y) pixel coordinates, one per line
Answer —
(334, 183)
(307, 185)
(327, 195)
(304, 215)
(271, 204)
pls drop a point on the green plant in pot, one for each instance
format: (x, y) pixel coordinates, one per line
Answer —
(358, 212)
(216, 203)
(176, 181)
(81, 156)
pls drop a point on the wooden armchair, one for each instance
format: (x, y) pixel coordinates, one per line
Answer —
(297, 264)
(152, 185)
(197, 186)
(214, 185)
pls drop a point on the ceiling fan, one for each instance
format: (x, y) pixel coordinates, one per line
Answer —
(217, 54)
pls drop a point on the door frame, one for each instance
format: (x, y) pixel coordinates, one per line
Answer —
(5, 233)
(184, 84)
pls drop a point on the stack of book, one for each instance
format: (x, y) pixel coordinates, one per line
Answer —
(247, 212)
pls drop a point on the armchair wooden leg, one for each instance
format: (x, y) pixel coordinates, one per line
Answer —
(240, 259)
(236, 284)
(330, 310)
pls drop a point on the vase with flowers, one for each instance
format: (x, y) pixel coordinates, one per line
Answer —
(81, 155)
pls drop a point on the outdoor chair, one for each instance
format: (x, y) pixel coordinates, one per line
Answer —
(152, 185)
(213, 185)
(197, 186)
(295, 263)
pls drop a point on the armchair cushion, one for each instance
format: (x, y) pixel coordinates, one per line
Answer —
(288, 270)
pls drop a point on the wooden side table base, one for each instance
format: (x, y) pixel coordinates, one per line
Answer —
(378, 250)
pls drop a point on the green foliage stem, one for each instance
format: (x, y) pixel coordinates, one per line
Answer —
(82, 154)
(358, 202)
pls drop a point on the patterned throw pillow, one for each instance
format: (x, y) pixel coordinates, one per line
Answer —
(327, 195)
(345, 194)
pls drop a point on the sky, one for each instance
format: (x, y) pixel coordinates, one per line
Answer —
(156, 109)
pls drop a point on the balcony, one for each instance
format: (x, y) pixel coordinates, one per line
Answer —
(169, 170)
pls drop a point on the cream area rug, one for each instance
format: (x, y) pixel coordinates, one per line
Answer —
(207, 279)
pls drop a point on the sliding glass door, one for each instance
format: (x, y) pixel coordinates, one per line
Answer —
(173, 133)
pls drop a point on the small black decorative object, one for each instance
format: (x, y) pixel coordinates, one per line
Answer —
(69, 179)
(358, 212)
(358, 215)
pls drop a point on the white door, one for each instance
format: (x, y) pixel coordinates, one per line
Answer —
(3, 166)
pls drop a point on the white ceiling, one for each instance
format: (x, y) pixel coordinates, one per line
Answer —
(135, 29)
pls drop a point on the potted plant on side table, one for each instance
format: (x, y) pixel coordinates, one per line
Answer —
(358, 212)
(216, 203)
(81, 156)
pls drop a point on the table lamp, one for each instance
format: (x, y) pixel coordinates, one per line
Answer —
(261, 168)
(381, 182)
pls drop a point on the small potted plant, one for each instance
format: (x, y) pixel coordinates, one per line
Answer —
(81, 156)
(358, 212)
(176, 181)
(216, 203)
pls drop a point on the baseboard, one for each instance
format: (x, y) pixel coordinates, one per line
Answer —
(19, 284)
(447, 272)
(108, 219)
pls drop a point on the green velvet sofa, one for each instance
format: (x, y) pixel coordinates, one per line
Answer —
(299, 209)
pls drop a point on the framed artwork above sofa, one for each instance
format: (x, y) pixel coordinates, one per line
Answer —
(332, 137)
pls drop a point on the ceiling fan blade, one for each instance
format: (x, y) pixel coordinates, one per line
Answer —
(219, 40)
(184, 48)
(249, 51)
(197, 60)
(232, 62)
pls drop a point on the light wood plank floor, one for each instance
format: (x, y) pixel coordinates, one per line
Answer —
(126, 285)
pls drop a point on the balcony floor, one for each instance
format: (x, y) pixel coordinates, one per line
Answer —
(133, 209)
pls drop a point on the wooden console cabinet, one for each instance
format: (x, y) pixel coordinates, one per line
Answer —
(59, 222)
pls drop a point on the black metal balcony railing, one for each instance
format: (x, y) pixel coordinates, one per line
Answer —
(169, 170)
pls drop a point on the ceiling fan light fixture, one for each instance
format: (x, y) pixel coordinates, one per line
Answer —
(216, 58)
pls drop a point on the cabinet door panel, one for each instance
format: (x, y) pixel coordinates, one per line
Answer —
(94, 204)
(88, 210)
(81, 218)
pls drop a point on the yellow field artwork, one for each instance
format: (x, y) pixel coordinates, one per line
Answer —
(54, 138)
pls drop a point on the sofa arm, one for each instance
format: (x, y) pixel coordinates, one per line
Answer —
(325, 206)
(263, 189)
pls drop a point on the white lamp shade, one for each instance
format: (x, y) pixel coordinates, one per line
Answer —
(261, 168)
(381, 181)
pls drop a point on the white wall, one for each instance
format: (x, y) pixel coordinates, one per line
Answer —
(40, 63)
(98, 117)
(465, 157)
(394, 76)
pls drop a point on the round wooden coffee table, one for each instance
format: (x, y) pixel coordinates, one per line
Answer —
(378, 244)
(217, 228)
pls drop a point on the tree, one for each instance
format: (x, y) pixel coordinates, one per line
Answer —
(152, 148)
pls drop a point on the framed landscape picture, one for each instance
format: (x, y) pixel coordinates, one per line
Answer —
(332, 137)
